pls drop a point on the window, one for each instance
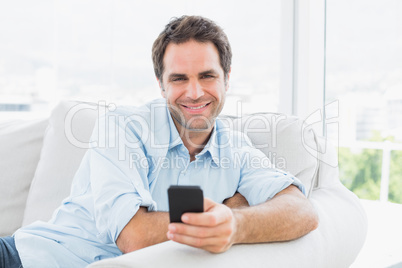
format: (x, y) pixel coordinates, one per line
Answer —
(364, 72)
(101, 50)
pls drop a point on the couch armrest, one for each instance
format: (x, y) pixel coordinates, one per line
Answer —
(335, 243)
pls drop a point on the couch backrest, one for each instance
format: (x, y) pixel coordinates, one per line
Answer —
(283, 139)
(20, 145)
(59, 159)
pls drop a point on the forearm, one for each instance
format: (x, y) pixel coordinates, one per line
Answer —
(149, 228)
(143, 230)
(289, 215)
(236, 201)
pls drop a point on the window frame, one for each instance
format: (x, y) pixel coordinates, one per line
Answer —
(302, 90)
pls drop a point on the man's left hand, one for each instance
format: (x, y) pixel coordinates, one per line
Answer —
(213, 230)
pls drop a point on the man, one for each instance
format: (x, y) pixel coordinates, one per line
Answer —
(118, 201)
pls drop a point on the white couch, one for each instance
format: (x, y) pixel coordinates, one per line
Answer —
(38, 162)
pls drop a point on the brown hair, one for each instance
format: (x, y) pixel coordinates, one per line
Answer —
(181, 30)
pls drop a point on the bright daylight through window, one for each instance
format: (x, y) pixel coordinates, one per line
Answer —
(364, 72)
(100, 50)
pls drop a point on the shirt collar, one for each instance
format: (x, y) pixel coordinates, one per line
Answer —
(211, 146)
(174, 134)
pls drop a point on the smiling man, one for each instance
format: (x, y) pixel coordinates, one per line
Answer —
(192, 62)
(118, 201)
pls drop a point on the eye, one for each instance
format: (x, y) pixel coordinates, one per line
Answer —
(206, 76)
(177, 79)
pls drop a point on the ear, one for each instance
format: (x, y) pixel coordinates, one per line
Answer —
(161, 87)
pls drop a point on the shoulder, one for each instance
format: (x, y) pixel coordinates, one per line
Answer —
(231, 141)
(235, 147)
(138, 119)
(145, 124)
(147, 111)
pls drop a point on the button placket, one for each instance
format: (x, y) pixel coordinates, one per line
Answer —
(185, 168)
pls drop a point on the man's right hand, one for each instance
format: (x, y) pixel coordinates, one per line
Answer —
(137, 233)
(213, 230)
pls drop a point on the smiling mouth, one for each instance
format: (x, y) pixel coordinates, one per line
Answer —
(197, 107)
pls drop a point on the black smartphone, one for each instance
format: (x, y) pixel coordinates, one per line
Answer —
(182, 199)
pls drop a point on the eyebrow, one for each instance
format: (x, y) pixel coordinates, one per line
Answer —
(178, 75)
(211, 71)
(175, 75)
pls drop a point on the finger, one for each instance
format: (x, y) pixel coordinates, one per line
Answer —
(198, 231)
(208, 204)
(215, 216)
(189, 218)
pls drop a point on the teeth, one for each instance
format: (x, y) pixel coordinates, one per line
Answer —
(199, 107)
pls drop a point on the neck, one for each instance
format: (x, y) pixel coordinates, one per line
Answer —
(194, 141)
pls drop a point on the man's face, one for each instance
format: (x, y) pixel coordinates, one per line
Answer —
(193, 84)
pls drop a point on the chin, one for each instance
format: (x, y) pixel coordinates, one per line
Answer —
(201, 126)
(198, 129)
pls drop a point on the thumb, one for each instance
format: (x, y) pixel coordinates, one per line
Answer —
(208, 204)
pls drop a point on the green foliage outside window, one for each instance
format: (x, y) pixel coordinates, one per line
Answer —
(360, 171)
(395, 178)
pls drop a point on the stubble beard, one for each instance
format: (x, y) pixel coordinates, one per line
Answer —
(196, 123)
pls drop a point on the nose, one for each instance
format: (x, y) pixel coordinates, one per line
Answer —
(194, 90)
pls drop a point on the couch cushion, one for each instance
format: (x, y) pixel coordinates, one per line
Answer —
(60, 158)
(20, 144)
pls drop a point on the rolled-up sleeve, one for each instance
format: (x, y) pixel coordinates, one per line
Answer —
(119, 185)
(259, 181)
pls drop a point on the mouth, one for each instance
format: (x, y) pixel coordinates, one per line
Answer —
(196, 108)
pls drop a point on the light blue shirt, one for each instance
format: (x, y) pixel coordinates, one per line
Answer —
(136, 154)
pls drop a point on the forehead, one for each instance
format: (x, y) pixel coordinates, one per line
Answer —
(191, 56)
